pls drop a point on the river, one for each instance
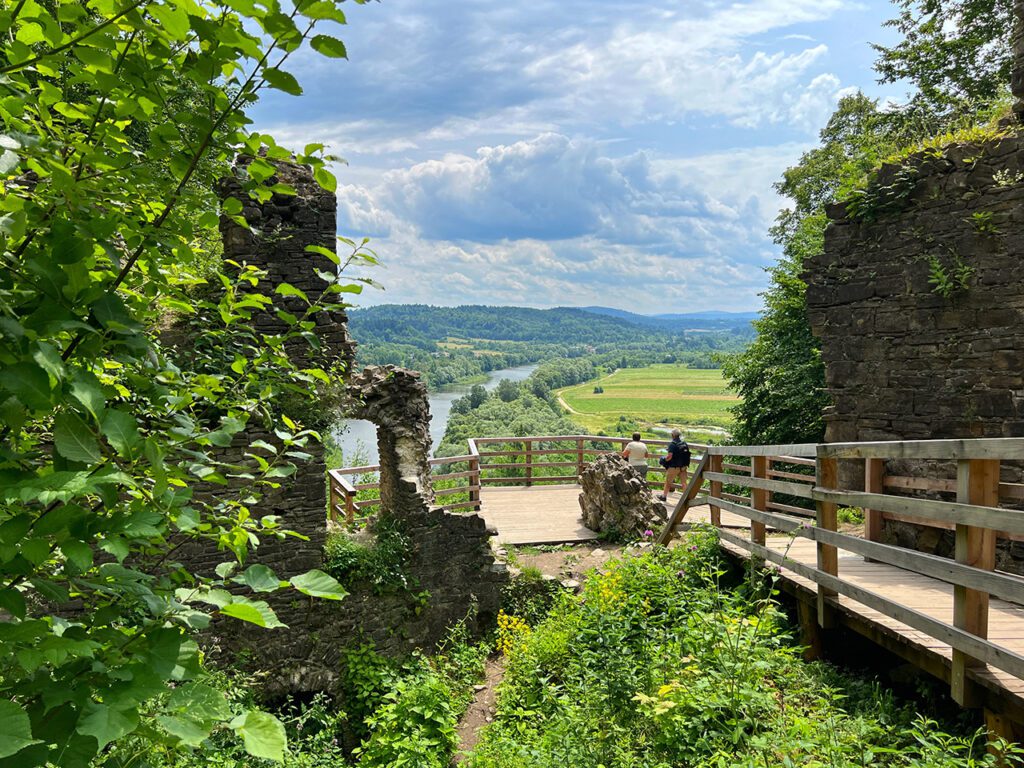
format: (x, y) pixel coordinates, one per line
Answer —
(358, 439)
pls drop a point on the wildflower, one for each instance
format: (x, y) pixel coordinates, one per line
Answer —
(693, 547)
(806, 524)
(681, 573)
(648, 533)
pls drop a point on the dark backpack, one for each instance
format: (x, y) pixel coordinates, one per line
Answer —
(686, 455)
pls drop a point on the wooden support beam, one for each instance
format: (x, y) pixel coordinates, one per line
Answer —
(714, 464)
(827, 476)
(810, 632)
(874, 482)
(683, 505)
(528, 447)
(977, 483)
(579, 458)
(759, 497)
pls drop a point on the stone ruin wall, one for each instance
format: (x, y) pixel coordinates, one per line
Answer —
(453, 574)
(903, 363)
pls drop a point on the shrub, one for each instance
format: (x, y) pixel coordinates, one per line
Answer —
(379, 562)
(658, 664)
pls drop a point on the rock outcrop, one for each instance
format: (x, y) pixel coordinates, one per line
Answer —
(616, 500)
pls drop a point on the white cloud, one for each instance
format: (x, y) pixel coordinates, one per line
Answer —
(557, 221)
(569, 151)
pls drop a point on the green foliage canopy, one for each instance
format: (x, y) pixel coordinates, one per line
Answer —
(118, 118)
(956, 54)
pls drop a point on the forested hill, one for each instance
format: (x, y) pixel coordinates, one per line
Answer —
(410, 323)
(736, 322)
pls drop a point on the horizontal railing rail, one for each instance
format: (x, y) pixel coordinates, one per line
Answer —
(975, 515)
(514, 465)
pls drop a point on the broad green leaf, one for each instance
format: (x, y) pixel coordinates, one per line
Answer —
(74, 439)
(189, 731)
(49, 359)
(325, 179)
(199, 701)
(324, 252)
(164, 647)
(173, 20)
(107, 724)
(282, 81)
(78, 553)
(287, 289)
(329, 46)
(263, 735)
(12, 601)
(253, 611)
(259, 578)
(66, 245)
(121, 431)
(16, 729)
(318, 584)
(29, 383)
(87, 390)
(325, 10)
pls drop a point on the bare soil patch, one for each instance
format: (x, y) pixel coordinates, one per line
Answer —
(481, 711)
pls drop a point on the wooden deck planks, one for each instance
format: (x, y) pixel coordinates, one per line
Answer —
(550, 514)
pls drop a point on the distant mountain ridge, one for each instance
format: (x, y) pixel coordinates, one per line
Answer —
(707, 320)
(580, 325)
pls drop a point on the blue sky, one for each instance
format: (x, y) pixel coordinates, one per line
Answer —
(575, 152)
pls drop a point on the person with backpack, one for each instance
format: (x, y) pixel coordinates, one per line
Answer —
(675, 462)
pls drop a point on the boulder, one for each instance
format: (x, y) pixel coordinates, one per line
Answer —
(616, 500)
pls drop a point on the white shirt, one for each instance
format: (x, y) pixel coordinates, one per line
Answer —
(637, 452)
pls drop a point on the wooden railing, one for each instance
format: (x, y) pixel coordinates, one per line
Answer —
(491, 461)
(974, 515)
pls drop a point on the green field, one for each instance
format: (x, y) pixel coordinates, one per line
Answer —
(657, 396)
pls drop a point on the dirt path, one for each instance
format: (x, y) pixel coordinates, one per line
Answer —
(481, 711)
(571, 563)
(569, 408)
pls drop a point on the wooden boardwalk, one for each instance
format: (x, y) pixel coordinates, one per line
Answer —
(550, 515)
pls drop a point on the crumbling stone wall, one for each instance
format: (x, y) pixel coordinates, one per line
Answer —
(902, 361)
(452, 572)
(396, 401)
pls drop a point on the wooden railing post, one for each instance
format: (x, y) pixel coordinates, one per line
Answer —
(874, 482)
(758, 497)
(579, 458)
(715, 465)
(350, 509)
(827, 477)
(528, 445)
(977, 483)
(332, 499)
(475, 478)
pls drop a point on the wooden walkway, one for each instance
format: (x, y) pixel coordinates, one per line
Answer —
(929, 596)
(550, 515)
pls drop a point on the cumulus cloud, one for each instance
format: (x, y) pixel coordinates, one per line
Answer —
(556, 220)
(570, 151)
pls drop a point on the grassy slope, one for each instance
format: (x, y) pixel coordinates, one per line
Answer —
(659, 394)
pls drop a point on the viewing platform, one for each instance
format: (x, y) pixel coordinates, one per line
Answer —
(958, 619)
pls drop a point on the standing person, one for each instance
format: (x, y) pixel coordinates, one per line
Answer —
(636, 454)
(676, 460)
